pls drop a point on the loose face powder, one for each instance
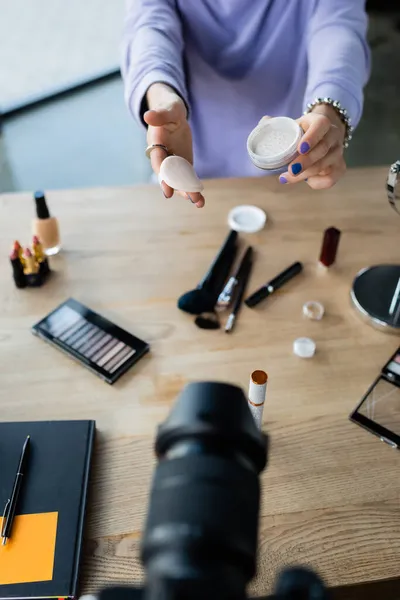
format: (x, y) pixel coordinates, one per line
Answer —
(273, 143)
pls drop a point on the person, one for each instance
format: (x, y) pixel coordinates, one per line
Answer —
(207, 70)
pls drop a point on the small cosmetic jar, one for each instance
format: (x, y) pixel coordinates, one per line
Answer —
(272, 145)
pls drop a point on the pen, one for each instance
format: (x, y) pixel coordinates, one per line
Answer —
(278, 281)
(11, 504)
(242, 278)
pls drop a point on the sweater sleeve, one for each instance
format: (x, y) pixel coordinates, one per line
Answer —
(152, 51)
(338, 54)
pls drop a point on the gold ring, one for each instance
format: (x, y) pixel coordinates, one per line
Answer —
(152, 147)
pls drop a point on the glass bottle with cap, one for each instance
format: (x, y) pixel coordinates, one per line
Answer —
(45, 227)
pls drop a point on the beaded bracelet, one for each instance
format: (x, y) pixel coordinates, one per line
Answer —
(342, 112)
(393, 186)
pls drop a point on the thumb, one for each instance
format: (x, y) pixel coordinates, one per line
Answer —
(161, 117)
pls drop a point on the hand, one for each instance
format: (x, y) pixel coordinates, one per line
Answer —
(168, 126)
(321, 160)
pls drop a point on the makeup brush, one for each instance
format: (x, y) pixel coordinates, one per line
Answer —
(208, 320)
(225, 298)
(243, 276)
(204, 297)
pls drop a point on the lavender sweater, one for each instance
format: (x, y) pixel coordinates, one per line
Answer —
(233, 61)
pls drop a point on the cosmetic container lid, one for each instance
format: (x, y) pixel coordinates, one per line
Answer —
(304, 347)
(273, 143)
(247, 218)
(313, 310)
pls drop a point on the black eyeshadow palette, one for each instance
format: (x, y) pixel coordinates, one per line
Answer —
(95, 342)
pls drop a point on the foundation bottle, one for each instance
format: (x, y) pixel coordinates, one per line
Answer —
(45, 227)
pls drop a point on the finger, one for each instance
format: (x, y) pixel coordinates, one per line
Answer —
(300, 172)
(315, 128)
(324, 182)
(194, 197)
(166, 190)
(301, 163)
(162, 118)
(157, 155)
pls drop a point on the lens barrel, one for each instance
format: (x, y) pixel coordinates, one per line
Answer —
(202, 524)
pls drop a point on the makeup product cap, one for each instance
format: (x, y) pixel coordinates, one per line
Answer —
(313, 310)
(304, 347)
(247, 218)
(42, 210)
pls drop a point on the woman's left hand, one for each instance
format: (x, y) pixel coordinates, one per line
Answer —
(320, 159)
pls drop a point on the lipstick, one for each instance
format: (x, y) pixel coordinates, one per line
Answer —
(40, 256)
(18, 269)
(330, 245)
(31, 269)
(19, 250)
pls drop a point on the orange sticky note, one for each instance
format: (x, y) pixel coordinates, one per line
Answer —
(28, 555)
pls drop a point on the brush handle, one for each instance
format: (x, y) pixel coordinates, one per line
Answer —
(219, 279)
(212, 278)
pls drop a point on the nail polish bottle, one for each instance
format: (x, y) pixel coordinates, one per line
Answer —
(45, 227)
(18, 269)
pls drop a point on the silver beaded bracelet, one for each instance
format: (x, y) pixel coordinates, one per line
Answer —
(393, 185)
(342, 112)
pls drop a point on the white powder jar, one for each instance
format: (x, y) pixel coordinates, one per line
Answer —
(273, 143)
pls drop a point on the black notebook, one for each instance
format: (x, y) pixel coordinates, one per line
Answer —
(41, 558)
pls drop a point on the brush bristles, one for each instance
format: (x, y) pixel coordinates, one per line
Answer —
(195, 302)
(208, 320)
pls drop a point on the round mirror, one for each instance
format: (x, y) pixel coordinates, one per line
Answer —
(376, 295)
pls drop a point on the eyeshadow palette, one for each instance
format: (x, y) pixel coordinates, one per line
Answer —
(92, 340)
(379, 409)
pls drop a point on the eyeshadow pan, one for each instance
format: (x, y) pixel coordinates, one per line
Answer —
(67, 320)
(105, 358)
(397, 358)
(96, 352)
(394, 367)
(71, 329)
(90, 339)
(122, 361)
(113, 361)
(74, 337)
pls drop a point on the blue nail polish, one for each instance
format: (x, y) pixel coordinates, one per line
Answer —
(282, 179)
(296, 168)
(190, 198)
(304, 148)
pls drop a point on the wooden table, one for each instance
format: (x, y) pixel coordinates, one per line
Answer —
(331, 491)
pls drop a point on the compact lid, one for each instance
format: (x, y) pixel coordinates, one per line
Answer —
(247, 218)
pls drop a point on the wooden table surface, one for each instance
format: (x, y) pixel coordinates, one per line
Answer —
(331, 490)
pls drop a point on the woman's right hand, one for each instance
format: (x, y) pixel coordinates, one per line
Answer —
(167, 125)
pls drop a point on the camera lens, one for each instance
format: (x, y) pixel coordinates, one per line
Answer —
(202, 524)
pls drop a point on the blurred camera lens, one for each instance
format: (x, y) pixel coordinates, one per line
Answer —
(200, 539)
